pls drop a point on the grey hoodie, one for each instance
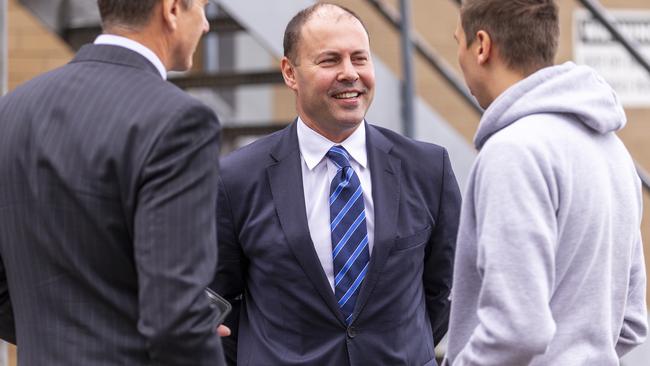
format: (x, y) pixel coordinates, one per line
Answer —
(549, 262)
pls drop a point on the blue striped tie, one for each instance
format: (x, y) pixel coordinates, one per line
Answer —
(349, 232)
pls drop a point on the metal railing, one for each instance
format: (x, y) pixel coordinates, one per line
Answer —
(408, 82)
(228, 79)
(630, 45)
(429, 55)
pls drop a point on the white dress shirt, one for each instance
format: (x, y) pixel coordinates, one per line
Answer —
(134, 46)
(317, 174)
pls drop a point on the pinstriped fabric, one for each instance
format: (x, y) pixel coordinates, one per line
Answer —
(349, 232)
(107, 227)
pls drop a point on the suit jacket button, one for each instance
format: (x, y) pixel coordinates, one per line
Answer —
(352, 332)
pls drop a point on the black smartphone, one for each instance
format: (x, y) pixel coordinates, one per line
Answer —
(220, 304)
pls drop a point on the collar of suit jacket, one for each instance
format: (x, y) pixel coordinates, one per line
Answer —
(314, 146)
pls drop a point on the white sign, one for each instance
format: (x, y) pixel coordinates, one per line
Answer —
(594, 46)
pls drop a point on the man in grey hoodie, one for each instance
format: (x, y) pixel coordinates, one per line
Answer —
(549, 265)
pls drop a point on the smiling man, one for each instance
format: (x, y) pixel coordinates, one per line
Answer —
(337, 235)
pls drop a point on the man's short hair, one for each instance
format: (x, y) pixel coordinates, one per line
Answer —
(132, 13)
(294, 27)
(525, 32)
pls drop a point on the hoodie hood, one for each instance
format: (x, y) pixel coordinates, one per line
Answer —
(564, 89)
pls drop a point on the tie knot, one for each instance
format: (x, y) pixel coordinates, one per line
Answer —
(339, 156)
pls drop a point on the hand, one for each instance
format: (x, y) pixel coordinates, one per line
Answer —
(223, 331)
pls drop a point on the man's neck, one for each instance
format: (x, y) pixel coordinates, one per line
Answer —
(332, 135)
(155, 44)
(501, 79)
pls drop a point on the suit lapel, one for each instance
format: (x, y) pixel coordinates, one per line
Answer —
(385, 177)
(285, 178)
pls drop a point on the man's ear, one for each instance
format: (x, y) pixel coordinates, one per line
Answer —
(170, 12)
(288, 72)
(484, 47)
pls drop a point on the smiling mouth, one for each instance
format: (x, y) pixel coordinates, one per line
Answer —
(347, 95)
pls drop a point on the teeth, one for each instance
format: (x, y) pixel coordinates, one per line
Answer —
(346, 95)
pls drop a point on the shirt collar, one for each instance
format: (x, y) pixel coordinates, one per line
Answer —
(314, 146)
(111, 39)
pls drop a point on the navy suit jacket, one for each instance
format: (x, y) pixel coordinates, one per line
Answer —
(289, 314)
(107, 216)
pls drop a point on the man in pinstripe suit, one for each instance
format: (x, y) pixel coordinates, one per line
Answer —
(108, 200)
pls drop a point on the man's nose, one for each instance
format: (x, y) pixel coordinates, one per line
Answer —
(348, 71)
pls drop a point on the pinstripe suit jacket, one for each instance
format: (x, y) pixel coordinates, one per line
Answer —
(107, 225)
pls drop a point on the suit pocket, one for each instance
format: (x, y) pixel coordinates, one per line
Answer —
(412, 241)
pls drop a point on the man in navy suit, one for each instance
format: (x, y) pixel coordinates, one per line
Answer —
(336, 237)
(108, 200)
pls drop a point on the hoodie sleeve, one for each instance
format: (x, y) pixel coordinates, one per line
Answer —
(515, 203)
(635, 323)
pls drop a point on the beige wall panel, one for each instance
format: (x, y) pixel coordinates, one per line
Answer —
(284, 103)
(33, 49)
(435, 21)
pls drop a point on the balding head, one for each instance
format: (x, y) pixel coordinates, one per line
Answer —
(294, 28)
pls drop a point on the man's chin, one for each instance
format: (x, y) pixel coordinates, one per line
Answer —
(182, 66)
(349, 119)
(349, 122)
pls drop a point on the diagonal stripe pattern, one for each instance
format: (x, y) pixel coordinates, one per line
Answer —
(349, 232)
